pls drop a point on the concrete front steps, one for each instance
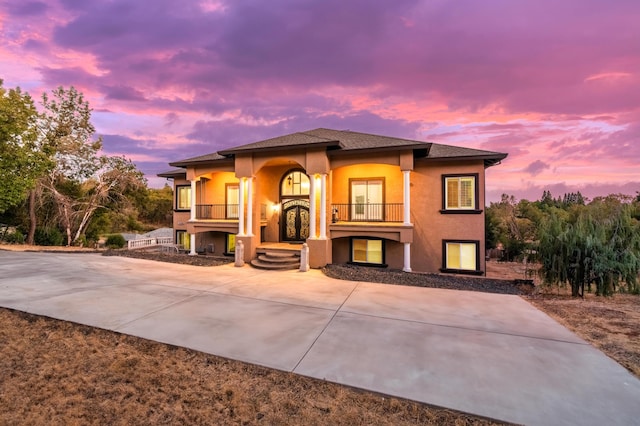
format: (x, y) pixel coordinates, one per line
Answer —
(276, 260)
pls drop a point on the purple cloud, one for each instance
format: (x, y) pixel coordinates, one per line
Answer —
(549, 84)
(536, 167)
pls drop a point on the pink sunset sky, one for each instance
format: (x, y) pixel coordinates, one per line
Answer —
(556, 84)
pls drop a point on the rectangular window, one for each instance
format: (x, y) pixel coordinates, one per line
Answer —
(367, 199)
(461, 256)
(232, 200)
(367, 251)
(183, 238)
(460, 192)
(183, 197)
(231, 243)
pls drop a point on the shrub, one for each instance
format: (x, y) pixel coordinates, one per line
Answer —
(16, 237)
(48, 237)
(81, 241)
(115, 241)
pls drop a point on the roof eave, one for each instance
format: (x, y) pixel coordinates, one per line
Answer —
(187, 163)
(489, 159)
(172, 173)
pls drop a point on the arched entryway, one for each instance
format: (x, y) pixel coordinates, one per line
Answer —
(294, 199)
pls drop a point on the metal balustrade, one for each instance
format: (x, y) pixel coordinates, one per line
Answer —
(216, 211)
(373, 212)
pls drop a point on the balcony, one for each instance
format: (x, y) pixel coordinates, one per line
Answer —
(223, 211)
(217, 211)
(374, 212)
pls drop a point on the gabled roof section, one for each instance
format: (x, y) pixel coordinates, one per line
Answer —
(207, 158)
(300, 139)
(351, 141)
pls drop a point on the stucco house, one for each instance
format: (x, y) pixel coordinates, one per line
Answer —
(352, 197)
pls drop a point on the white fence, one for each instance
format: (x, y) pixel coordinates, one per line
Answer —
(148, 242)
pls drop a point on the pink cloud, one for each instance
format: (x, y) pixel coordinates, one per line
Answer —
(556, 86)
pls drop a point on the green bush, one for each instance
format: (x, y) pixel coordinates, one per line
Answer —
(115, 241)
(81, 241)
(48, 237)
(15, 237)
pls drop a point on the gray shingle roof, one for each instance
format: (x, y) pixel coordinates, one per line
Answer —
(449, 151)
(286, 141)
(339, 141)
(172, 173)
(214, 156)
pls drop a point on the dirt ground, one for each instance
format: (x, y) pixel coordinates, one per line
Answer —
(59, 373)
(56, 372)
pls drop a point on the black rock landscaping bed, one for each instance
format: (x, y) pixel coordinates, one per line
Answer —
(354, 273)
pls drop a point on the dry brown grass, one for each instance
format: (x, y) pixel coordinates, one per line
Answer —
(611, 324)
(59, 373)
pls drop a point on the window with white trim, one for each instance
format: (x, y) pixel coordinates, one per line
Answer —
(461, 256)
(460, 192)
(367, 251)
(183, 197)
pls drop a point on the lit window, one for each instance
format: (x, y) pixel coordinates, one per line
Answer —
(183, 239)
(295, 183)
(232, 200)
(367, 251)
(461, 256)
(460, 193)
(367, 199)
(231, 243)
(183, 198)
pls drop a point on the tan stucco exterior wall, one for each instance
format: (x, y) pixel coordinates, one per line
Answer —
(432, 227)
(429, 226)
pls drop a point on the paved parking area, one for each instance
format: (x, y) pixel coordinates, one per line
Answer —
(492, 355)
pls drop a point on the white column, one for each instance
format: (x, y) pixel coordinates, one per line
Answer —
(241, 208)
(323, 206)
(312, 207)
(407, 257)
(250, 206)
(407, 197)
(192, 243)
(193, 199)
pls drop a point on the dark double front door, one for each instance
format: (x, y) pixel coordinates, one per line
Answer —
(295, 215)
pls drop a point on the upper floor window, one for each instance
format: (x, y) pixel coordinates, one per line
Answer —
(183, 197)
(367, 199)
(295, 183)
(232, 200)
(460, 193)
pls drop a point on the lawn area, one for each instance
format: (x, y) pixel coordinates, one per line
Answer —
(59, 373)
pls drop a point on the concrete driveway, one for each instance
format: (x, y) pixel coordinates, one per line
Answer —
(492, 355)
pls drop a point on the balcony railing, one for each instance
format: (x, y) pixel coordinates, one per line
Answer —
(217, 211)
(223, 211)
(375, 212)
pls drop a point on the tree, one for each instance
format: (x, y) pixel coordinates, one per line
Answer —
(21, 163)
(156, 206)
(597, 244)
(81, 179)
(512, 224)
